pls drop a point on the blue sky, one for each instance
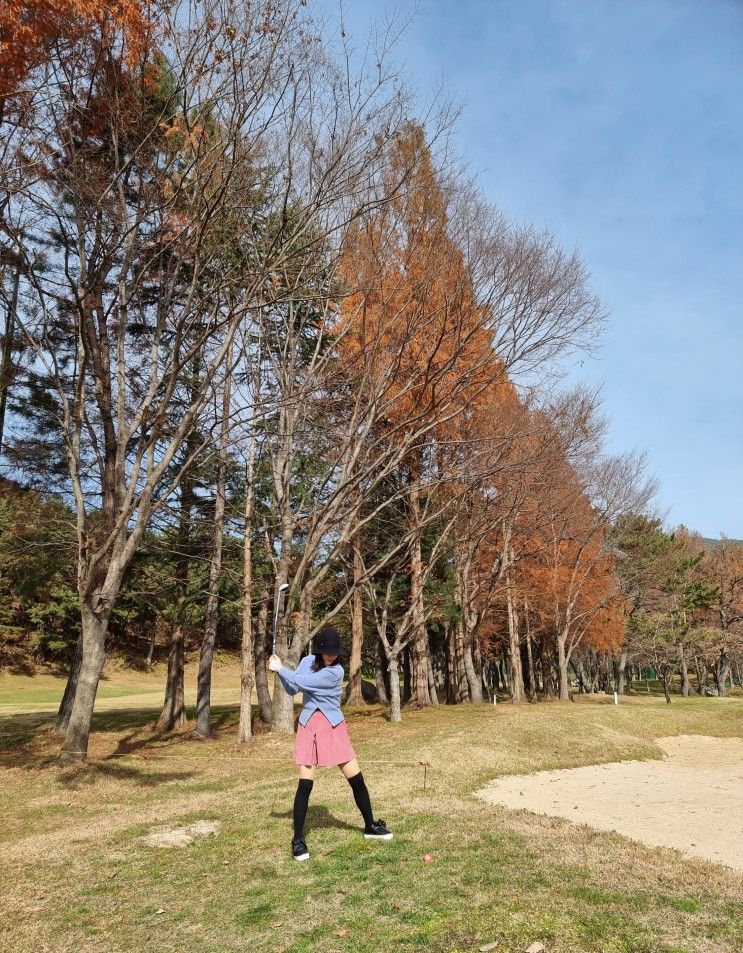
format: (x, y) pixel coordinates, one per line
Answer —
(620, 126)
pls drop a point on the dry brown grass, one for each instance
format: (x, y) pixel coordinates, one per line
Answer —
(71, 841)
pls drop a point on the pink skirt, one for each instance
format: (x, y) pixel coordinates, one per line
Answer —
(318, 742)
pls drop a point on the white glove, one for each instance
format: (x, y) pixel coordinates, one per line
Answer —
(274, 663)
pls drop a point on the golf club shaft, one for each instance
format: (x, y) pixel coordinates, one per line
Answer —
(279, 600)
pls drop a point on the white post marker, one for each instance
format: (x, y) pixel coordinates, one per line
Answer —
(495, 699)
(616, 698)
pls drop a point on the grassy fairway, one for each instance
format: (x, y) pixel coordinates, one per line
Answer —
(77, 876)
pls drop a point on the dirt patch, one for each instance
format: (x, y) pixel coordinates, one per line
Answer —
(105, 827)
(692, 800)
(180, 836)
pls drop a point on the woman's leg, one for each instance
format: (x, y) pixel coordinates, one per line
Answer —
(352, 773)
(349, 768)
(302, 798)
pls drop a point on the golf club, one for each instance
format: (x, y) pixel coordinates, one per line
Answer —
(279, 607)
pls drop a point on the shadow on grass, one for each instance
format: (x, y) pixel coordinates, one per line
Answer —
(318, 816)
(30, 741)
(76, 777)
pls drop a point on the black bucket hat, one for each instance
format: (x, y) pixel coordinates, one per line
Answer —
(328, 642)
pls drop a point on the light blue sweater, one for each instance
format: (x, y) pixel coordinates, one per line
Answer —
(321, 690)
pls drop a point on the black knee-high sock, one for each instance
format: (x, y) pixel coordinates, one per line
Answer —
(361, 796)
(301, 800)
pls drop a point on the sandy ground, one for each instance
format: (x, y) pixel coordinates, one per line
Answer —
(691, 801)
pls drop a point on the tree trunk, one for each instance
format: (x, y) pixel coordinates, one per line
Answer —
(721, 672)
(457, 687)
(432, 683)
(701, 680)
(665, 674)
(562, 667)
(504, 673)
(406, 676)
(245, 727)
(685, 686)
(420, 652)
(530, 656)
(381, 673)
(584, 685)
(514, 649)
(463, 686)
(151, 648)
(261, 675)
(395, 707)
(622, 672)
(283, 704)
(473, 678)
(173, 715)
(7, 356)
(206, 656)
(354, 695)
(95, 629)
(544, 668)
(65, 707)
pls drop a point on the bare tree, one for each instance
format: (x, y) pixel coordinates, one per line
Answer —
(169, 227)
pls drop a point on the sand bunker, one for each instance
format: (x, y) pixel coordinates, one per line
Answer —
(691, 801)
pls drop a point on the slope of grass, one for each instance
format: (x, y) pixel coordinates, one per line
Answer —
(77, 875)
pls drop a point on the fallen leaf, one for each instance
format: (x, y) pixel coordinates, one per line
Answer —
(159, 911)
(488, 946)
(344, 931)
(536, 948)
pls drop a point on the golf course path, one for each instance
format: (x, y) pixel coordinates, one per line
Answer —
(692, 800)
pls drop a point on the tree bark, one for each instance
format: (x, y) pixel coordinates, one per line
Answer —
(432, 683)
(206, 656)
(406, 676)
(665, 675)
(721, 672)
(685, 686)
(245, 726)
(622, 672)
(261, 674)
(562, 667)
(354, 694)
(282, 718)
(514, 649)
(395, 707)
(381, 673)
(457, 688)
(529, 655)
(95, 629)
(473, 679)
(173, 715)
(65, 707)
(420, 652)
(701, 680)
(7, 356)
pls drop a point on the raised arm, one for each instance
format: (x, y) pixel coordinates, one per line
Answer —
(304, 679)
(286, 676)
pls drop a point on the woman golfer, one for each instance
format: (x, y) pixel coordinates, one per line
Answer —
(322, 736)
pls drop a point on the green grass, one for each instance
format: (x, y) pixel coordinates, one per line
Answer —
(76, 875)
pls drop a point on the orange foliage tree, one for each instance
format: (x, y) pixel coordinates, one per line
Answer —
(30, 29)
(413, 329)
